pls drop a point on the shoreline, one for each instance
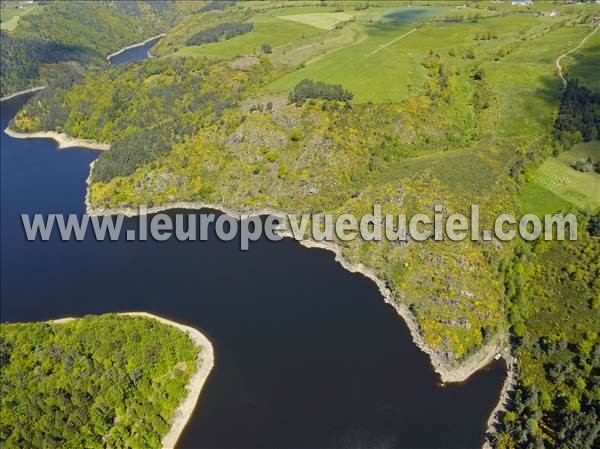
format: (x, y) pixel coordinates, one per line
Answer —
(505, 394)
(118, 52)
(204, 365)
(63, 140)
(448, 372)
(139, 44)
(22, 92)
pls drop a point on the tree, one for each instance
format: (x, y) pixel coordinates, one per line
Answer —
(307, 89)
(579, 115)
(266, 49)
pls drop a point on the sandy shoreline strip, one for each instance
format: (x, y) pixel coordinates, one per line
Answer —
(118, 52)
(447, 371)
(139, 44)
(22, 92)
(63, 140)
(204, 364)
(505, 393)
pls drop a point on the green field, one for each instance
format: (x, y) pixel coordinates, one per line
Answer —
(383, 62)
(267, 30)
(584, 64)
(535, 199)
(324, 21)
(366, 68)
(377, 65)
(293, 41)
(557, 185)
(10, 15)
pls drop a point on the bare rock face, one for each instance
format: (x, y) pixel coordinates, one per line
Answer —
(244, 63)
(461, 323)
(159, 182)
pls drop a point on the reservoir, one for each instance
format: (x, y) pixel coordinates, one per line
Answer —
(307, 355)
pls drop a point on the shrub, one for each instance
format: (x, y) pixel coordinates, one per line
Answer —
(593, 225)
(583, 165)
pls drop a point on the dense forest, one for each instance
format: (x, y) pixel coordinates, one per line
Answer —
(141, 109)
(77, 32)
(221, 31)
(98, 381)
(554, 294)
(579, 115)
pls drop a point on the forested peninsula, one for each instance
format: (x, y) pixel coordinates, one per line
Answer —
(116, 380)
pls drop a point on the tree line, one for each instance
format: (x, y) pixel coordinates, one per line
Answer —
(553, 295)
(224, 31)
(578, 118)
(309, 89)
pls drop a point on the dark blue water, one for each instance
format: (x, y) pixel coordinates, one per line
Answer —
(307, 354)
(134, 54)
(412, 14)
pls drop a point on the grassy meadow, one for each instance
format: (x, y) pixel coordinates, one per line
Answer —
(383, 63)
(11, 14)
(556, 185)
(268, 29)
(584, 64)
(324, 21)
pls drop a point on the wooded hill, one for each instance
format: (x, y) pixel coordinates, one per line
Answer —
(95, 382)
(78, 32)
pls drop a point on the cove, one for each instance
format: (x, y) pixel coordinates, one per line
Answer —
(307, 355)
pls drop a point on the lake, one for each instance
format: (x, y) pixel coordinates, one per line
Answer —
(308, 355)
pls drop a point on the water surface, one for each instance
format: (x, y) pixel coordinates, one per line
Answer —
(137, 53)
(307, 354)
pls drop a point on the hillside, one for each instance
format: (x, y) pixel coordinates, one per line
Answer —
(555, 313)
(59, 34)
(315, 109)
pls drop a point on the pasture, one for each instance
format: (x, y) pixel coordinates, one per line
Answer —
(556, 184)
(11, 14)
(367, 67)
(584, 64)
(267, 30)
(324, 21)
(384, 60)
